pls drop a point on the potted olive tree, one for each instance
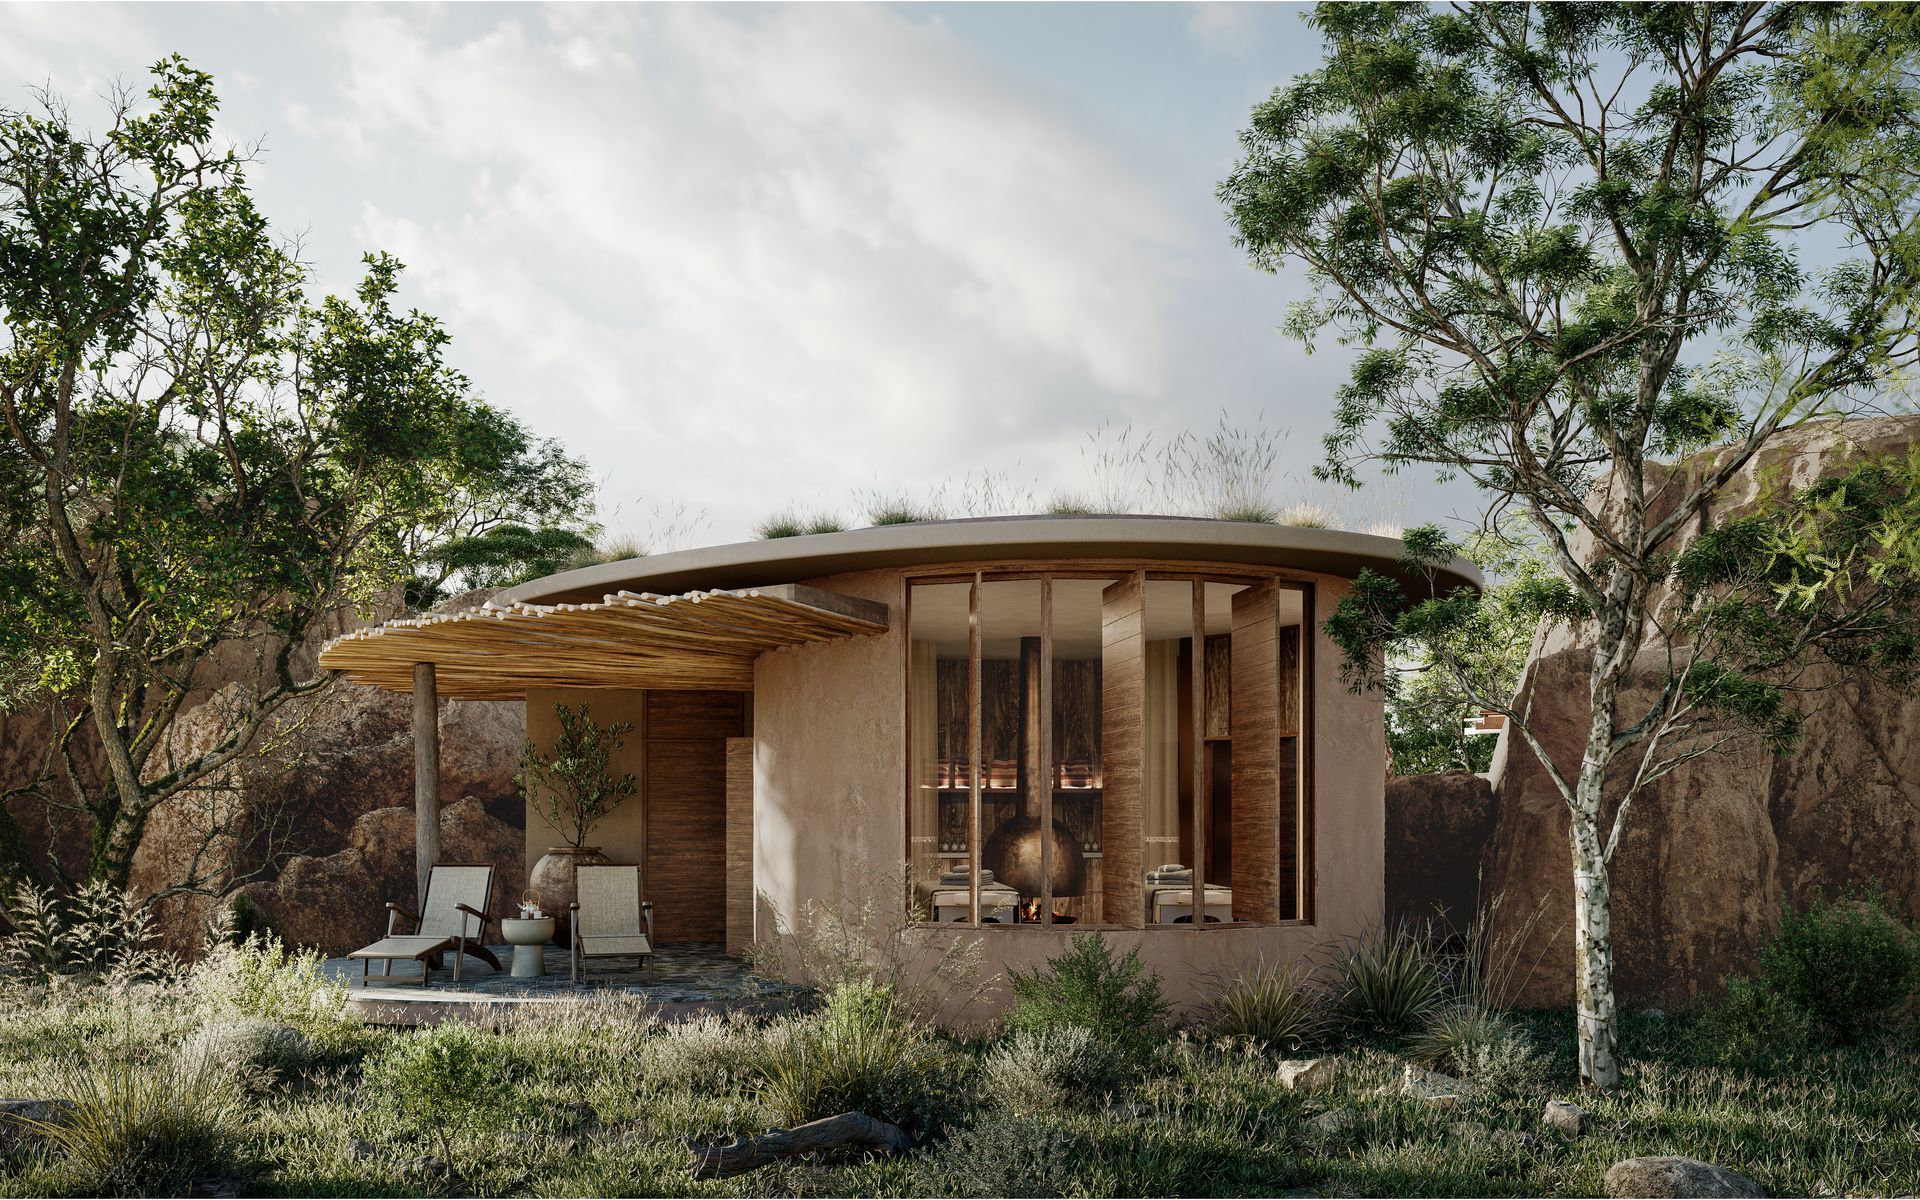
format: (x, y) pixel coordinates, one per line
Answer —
(573, 788)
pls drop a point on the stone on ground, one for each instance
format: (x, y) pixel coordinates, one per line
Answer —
(1308, 1074)
(1564, 1116)
(1671, 1175)
(1441, 1091)
(16, 1134)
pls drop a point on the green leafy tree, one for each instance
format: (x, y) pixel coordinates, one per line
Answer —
(1433, 684)
(571, 786)
(197, 459)
(1570, 243)
(444, 1082)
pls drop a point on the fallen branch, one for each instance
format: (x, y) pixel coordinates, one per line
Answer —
(747, 1154)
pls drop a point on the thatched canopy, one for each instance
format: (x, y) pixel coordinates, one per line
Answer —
(625, 640)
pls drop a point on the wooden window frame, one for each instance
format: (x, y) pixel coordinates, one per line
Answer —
(974, 575)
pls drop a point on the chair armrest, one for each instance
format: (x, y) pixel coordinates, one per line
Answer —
(475, 913)
(395, 910)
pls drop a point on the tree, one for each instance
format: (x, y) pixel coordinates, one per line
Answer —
(1569, 242)
(1428, 703)
(573, 787)
(198, 460)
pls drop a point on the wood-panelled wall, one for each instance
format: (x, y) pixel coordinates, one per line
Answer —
(739, 844)
(1123, 708)
(1256, 755)
(686, 799)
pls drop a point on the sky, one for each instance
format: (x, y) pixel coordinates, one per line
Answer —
(746, 257)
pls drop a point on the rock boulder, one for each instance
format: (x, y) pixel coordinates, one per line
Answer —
(1438, 827)
(1709, 849)
(1669, 1175)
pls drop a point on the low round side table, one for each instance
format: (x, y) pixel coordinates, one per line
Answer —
(527, 939)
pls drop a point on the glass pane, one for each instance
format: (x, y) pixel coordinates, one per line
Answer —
(1077, 776)
(1015, 855)
(1167, 801)
(1291, 704)
(939, 828)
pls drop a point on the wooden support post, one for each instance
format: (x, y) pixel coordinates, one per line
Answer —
(426, 776)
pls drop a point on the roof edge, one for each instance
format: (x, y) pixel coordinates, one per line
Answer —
(930, 543)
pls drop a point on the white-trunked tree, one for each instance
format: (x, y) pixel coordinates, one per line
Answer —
(1573, 241)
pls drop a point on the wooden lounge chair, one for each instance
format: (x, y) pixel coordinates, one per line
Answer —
(455, 918)
(609, 917)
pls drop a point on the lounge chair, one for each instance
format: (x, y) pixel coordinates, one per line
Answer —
(455, 918)
(609, 917)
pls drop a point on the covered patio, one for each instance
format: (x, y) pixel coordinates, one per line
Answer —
(680, 668)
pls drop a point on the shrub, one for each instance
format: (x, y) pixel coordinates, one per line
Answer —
(865, 936)
(144, 1126)
(1848, 962)
(858, 1053)
(253, 1050)
(790, 522)
(1037, 1071)
(1305, 516)
(1388, 982)
(706, 1055)
(899, 508)
(441, 1082)
(1482, 1045)
(1755, 1027)
(95, 936)
(1272, 1004)
(261, 978)
(1113, 999)
(1003, 1158)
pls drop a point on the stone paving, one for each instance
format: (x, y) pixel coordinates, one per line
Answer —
(695, 973)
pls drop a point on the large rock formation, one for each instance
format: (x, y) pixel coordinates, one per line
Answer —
(1709, 850)
(327, 796)
(318, 818)
(1437, 832)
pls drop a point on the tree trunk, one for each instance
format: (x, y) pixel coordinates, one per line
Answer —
(1593, 959)
(1619, 629)
(747, 1154)
(116, 837)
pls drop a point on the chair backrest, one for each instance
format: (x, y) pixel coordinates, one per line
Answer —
(448, 886)
(609, 900)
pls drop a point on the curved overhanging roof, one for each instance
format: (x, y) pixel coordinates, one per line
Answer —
(698, 618)
(931, 543)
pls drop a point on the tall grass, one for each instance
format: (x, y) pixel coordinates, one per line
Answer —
(144, 1125)
(791, 522)
(858, 1054)
(1387, 978)
(1119, 469)
(1232, 474)
(96, 935)
(1274, 1004)
(899, 508)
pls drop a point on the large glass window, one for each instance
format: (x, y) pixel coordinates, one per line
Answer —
(1120, 751)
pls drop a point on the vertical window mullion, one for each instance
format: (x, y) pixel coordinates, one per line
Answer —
(1196, 725)
(1045, 750)
(973, 749)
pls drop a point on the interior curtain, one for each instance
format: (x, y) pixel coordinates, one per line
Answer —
(923, 805)
(1160, 773)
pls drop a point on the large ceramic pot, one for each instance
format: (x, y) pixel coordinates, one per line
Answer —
(551, 884)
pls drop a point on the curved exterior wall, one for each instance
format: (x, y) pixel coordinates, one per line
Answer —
(829, 817)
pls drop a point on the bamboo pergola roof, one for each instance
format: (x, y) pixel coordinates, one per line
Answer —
(626, 640)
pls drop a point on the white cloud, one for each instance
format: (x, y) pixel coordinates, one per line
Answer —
(737, 255)
(1222, 25)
